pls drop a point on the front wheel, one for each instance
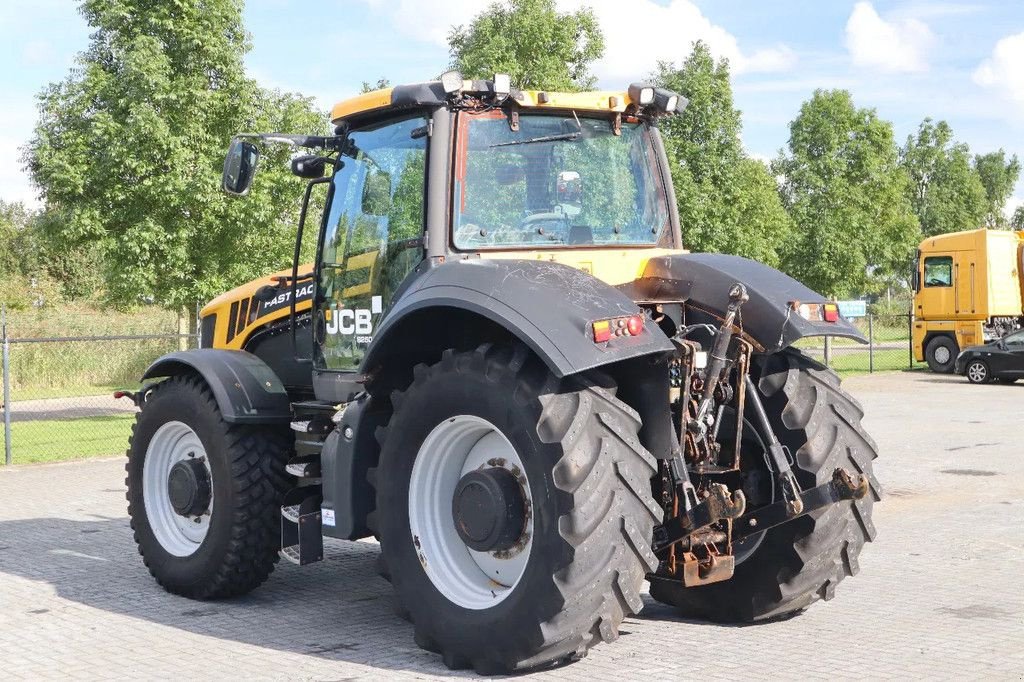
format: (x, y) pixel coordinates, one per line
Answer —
(514, 510)
(941, 354)
(977, 372)
(204, 496)
(803, 560)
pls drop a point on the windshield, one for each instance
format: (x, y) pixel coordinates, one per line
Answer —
(558, 180)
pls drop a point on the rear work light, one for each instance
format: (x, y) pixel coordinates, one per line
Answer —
(606, 330)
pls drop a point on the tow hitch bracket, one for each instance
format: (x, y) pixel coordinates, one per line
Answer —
(719, 505)
(843, 486)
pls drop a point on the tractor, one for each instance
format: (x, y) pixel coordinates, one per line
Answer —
(504, 366)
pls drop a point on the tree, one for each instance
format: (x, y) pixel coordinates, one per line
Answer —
(999, 176)
(129, 150)
(847, 194)
(945, 192)
(539, 47)
(1017, 221)
(727, 201)
(370, 87)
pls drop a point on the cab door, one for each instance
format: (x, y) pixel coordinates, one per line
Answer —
(964, 283)
(372, 239)
(937, 298)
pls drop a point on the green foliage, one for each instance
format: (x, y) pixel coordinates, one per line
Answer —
(999, 175)
(1017, 221)
(539, 47)
(370, 87)
(847, 194)
(945, 192)
(727, 201)
(129, 149)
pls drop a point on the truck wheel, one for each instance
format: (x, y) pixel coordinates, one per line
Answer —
(941, 354)
(802, 561)
(204, 496)
(514, 510)
(977, 372)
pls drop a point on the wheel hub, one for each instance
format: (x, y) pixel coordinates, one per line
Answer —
(489, 509)
(188, 487)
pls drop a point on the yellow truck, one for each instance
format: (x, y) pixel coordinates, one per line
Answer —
(967, 291)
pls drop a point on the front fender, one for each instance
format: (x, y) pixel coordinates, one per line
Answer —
(246, 390)
(703, 280)
(548, 306)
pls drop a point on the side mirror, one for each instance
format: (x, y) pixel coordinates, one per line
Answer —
(239, 167)
(569, 189)
(309, 167)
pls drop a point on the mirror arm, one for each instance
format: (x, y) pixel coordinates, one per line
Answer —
(295, 270)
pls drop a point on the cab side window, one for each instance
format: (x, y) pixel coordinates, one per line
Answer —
(938, 271)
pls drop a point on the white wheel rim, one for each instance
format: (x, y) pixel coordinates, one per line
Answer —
(471, 579)
(976, 372)
(178, 535)
(942, 355)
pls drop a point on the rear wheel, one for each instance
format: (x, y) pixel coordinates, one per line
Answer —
(514, 510)
(941, 354)
(977, 372)
(802, 561)
(204, 496)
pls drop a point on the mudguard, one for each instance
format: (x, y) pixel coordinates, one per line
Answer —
(246, 389)
(549, 306)
(703, 281)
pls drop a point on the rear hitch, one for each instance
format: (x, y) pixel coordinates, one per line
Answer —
(719, 505)
(842, 487)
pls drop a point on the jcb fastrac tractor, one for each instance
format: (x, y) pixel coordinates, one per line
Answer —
(504, 365)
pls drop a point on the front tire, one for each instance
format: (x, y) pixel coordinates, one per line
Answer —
(977, 372)
(941, 354)
(588, 522)
(233, 546)
(803, 560)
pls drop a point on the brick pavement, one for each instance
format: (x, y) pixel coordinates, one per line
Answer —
(938, 596)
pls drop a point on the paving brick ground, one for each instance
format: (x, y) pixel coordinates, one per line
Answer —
(939, 594)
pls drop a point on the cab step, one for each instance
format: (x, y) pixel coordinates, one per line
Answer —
(302, 539)
(304, 466)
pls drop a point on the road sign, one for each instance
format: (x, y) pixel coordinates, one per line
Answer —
(850, 309)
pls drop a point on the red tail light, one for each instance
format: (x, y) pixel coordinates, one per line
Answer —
(831, 312)
(635, 325)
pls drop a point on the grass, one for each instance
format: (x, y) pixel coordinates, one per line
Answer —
(33, 442)
(76, 368)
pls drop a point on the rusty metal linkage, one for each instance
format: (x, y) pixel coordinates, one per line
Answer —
(719, 505)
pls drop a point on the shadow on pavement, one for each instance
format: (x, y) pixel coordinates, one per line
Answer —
(339, 609)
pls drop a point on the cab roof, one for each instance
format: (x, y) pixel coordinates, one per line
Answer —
(433, 93)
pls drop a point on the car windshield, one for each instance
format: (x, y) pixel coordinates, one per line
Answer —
(560, 180)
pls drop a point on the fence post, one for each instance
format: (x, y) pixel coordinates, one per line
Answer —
(828, 351)
(910, 340)
(871, 344)
(7, 385)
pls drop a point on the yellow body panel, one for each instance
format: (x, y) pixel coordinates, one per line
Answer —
(987, 282)
(610, 265)
(246, 320)
(596, 100)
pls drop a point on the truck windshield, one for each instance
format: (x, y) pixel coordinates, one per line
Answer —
(560, 180)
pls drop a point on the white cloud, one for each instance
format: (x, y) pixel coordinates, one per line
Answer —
(1011, 206)
(1004, 70)
(900, 45)
(636, 36)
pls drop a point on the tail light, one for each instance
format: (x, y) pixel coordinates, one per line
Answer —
(606, 330)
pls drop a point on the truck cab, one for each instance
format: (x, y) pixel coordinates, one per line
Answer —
(967, 291)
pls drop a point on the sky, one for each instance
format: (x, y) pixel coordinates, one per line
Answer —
(909, 59)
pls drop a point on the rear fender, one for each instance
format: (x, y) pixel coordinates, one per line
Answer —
(702, 281)
(548, 306)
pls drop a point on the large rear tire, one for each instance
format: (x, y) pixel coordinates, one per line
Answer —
(802, 561)
(230, 485)
(577, 568)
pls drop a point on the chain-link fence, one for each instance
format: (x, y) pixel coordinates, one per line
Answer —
(58, 391)
(888, 347)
